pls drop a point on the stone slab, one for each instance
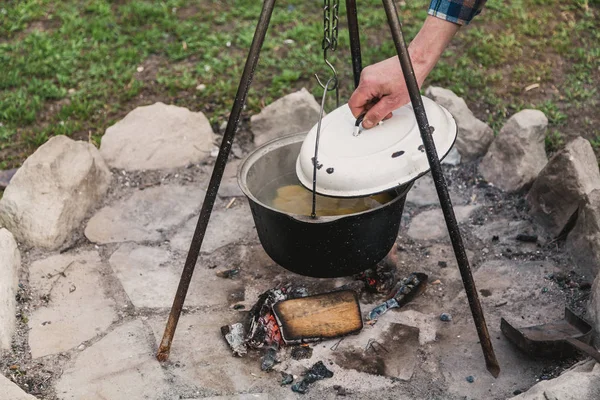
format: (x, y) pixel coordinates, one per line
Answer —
(507, 289)
(206, 359)
(582, 382)
(150, 276)
(10, 262)
(145, 214)
(226, 226)
(79, 308)
(119, 366)
(431, 225)
(423, 193)
(229, 184)
(399, 361)
(157, 136)
(10, 391)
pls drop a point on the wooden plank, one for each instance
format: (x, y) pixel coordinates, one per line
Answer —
(323, 316)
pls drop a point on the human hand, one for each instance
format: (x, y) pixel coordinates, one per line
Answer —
(382, 88)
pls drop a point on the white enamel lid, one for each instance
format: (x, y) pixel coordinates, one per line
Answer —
(378, 159)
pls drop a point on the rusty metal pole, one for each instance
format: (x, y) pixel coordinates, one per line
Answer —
(215, 180)
(440, 184)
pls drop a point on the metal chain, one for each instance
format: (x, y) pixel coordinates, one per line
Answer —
(334, 24)
(331, 10)
(330, 24)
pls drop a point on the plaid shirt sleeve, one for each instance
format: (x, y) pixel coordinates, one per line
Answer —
(458, 11)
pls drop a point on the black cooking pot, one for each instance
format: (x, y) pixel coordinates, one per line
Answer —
(325, 247)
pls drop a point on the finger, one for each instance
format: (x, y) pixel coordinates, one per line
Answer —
(360, 101)
(388, 116)
(383, 109)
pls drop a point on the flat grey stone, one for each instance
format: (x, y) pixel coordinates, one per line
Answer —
(150, 276)
(474, 136)
(506, 230)
(519, 281)
(79, 308)
(229, 185)
(157, 136)
(10, 262)
(507, 289)
(53, 192)
(6, 176)
(423, 193)
(226, 226)
(559, 188)
(453, 157)
(297, 112)
(245, 396)
(205, 356)
(398, 362)
(120, 366)
(145, 214)
(10, 391)
(517, 154)
(431, 225)
(578, 383)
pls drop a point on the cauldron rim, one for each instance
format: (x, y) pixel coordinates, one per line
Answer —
(293, 138)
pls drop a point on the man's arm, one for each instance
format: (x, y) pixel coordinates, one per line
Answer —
(385, 81)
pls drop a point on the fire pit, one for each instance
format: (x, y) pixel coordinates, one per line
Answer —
(323, 247)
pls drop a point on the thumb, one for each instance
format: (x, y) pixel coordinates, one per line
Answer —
(378, 112)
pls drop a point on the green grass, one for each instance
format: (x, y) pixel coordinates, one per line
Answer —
(73, 67)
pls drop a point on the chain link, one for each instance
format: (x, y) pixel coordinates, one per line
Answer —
(334, 24)
(331, 10)
(330, 24)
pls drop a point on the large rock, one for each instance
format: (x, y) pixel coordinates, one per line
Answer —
(517, 155)
(10, 261)
(583, 241)
(158, 136)
(120, 366)
(474, 136)
(144, 215)
(581, 382)
(297, 112)
(53, 191)
(11, 391)
(562, 184)
(594, 306)
(78, 309)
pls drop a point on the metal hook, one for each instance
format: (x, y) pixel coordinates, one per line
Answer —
(335, 76)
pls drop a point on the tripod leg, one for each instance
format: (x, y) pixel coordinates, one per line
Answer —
(352, 16)
(442, 189)
(215, 180)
